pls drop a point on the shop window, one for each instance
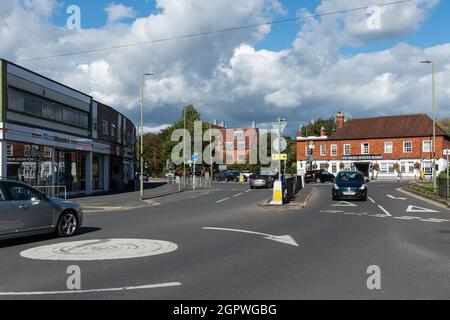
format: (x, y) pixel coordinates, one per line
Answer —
(47, 152)
(384, 168)
(334, 168)
(10, 150)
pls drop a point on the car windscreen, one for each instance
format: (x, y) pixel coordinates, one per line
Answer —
(350, 177)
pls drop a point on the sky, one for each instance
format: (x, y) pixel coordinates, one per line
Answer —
(300, 70)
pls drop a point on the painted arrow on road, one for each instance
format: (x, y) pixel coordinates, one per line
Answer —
(282, 239)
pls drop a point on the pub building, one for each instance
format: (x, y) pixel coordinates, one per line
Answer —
(388, 147)
(52, 135)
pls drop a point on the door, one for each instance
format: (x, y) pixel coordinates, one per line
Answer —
(31, 208)
(8, 218)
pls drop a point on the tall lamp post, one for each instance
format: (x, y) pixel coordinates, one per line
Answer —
(434, 119)
(143, 75)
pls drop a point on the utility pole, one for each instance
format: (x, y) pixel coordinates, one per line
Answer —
(143, 75)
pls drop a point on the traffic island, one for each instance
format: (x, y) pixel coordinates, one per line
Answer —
(300, 201)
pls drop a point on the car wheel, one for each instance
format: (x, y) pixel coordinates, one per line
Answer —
(67, 225)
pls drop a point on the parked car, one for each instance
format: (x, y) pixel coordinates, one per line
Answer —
(221, 176)
(24, 211)
(319, 176)
(260, 181)
(350, 185)
(233, 176)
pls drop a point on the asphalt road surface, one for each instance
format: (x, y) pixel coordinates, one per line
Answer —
(407, 238)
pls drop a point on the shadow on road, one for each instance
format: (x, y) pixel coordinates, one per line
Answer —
(46, 237)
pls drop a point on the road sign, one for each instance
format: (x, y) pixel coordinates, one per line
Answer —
(277, 144)
(195, 157)
(279, 157)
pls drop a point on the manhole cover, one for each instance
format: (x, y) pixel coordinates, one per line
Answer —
(92, 250)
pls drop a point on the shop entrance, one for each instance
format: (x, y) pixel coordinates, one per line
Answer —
(364, 167)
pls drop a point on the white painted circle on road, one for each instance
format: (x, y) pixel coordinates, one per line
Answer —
(95, 250)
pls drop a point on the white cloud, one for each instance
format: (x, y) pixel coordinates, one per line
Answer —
(223, 74)
(118, 12)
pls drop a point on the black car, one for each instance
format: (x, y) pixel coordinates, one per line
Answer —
(221, 176)
(319, 176)
(233, 176)
(350, 185)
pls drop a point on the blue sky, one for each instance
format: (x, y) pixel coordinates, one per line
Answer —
(281, 37)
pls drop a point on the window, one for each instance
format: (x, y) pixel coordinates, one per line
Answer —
(26, 152)
(239, 135)
(47, 152)
(309, 150)
(403, 167)
(365, 148)
(334, 168)
(113, 130)
(241, 145)
(35, 151)
(427, 168)
(388, 147)
(10, 150)
(384, 168)
(105, 127)
(241, 158)
(407, 147)
(230, 158)
(391, 168)
(323, 150)
(21, 192)
(322, 166)
(427, 146)
(229, 146)
(347, 150)
(334, 150)
(41, 107)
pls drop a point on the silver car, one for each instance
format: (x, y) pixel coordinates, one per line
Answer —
(24, 211)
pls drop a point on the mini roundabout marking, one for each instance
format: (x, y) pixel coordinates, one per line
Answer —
(97, 250)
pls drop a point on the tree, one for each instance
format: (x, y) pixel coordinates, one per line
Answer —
(154, 156)
(313, 129)
(445, 124)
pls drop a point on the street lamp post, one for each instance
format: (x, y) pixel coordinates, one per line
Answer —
(434, 119)
(143, 75)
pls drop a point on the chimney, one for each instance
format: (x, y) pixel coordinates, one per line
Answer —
(322, 132)
(340, 121)
(215, 122)
(222, 124)
(254, 125)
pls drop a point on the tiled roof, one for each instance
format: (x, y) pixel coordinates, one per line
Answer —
(417, 125)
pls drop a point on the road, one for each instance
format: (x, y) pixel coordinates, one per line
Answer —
(337, 242)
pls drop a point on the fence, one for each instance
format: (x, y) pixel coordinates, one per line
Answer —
(53, 191)
(192, 183)
(293, 186)
(443, 188)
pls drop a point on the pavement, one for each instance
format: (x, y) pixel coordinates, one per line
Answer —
(218, 244)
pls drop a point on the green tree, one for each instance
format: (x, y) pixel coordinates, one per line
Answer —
(313, 129)
(445, 124)
(154, 156)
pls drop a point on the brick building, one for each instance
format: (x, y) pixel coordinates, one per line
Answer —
(381, 147)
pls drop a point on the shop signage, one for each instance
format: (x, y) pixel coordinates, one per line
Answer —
(363, 158)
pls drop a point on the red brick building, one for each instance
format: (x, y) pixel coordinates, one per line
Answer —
(381, 147)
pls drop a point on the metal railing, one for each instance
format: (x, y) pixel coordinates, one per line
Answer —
(443, 188)
(293, 186)
(53, 191)
(193, 183)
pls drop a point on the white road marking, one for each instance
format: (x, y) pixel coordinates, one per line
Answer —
(435, 220)
(223, 200)
(332, 211)
(248, 191)
(96, 250)
(395, 198)
(378, 215)
(385, 211)
(371, 200)
(282, 239)
(40, 293)
(419, 209)
(408, 218)
(237, 195)
(344, 204)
